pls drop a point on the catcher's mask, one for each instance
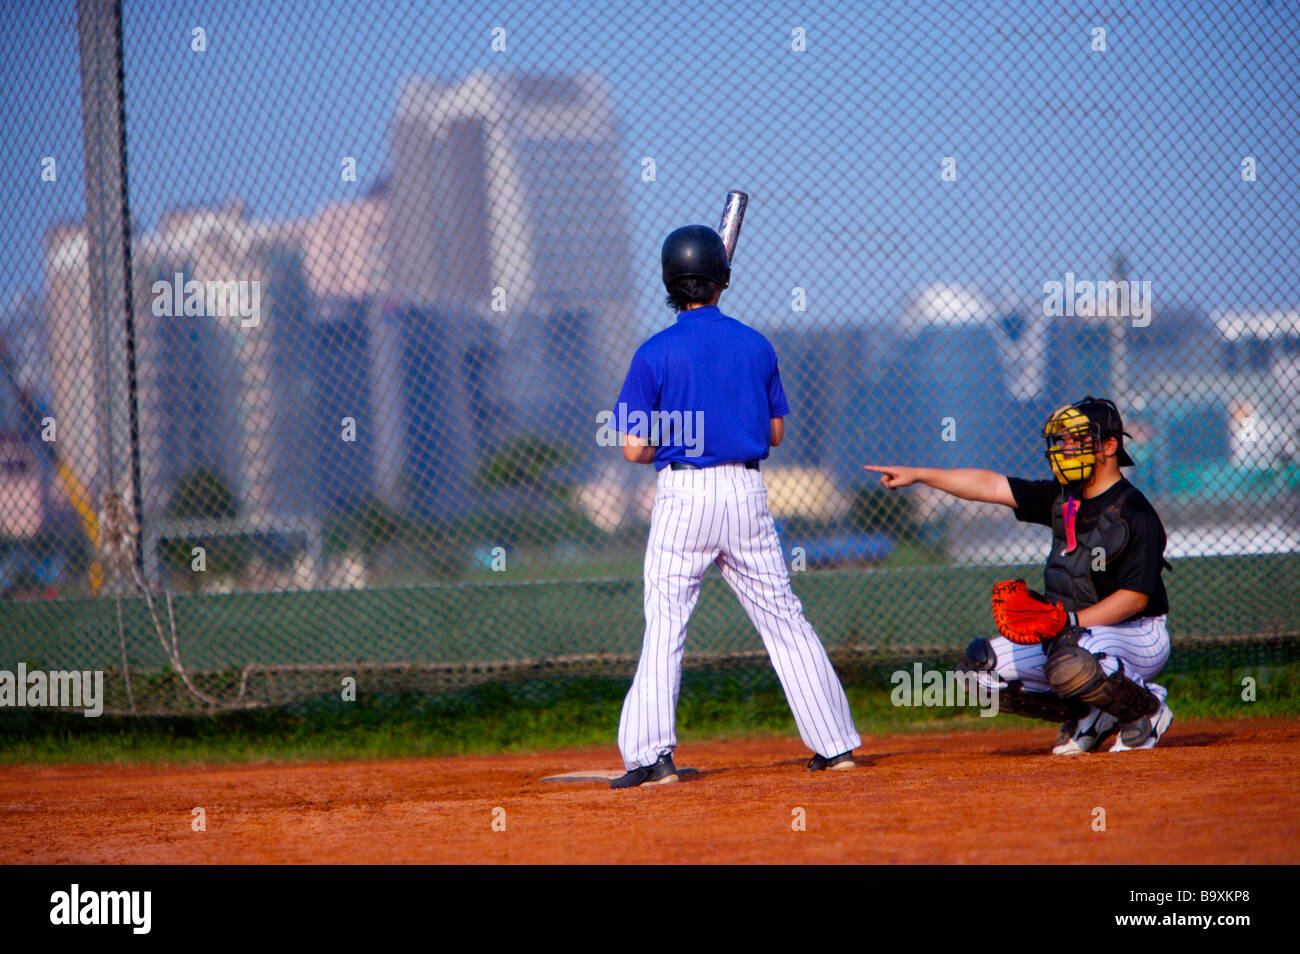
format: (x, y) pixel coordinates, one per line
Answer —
(1083, 426)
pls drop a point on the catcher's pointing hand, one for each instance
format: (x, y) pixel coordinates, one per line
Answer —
(895, 477)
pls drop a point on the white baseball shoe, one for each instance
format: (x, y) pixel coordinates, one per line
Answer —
(1145, 732)
(1078, 737)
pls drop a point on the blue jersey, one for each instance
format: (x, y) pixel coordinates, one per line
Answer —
(704, 391)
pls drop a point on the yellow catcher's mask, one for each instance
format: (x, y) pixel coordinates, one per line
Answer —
(1072, 441)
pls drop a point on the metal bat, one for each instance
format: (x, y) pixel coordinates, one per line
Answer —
(733, 214)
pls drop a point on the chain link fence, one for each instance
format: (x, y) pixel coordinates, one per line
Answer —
(310, 312)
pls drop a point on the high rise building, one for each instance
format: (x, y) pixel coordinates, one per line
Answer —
(506, 204)
(421, 382)
(75, 402)
(345, 247)
(952, 391)
(223, 390)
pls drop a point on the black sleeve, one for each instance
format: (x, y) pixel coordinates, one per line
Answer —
(1142, 560)
(1034, 499)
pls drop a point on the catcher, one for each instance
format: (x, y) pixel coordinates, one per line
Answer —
(1082, 655)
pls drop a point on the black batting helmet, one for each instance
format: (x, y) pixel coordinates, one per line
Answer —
(695, 251)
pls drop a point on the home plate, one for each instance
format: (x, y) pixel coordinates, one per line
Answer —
(601, 775)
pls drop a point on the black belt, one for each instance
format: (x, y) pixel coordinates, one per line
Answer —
(682, 465)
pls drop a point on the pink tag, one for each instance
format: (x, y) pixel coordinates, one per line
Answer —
(1070, 510)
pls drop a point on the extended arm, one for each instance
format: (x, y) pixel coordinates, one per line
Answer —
(986, 486)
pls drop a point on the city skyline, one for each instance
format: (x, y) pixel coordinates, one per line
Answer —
(445, 378)
(457, 246)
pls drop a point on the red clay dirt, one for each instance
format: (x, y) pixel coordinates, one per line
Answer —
(1211, 793)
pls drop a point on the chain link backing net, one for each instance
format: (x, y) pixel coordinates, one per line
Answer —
(337, 411)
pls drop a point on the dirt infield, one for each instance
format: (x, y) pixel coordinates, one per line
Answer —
(1213, 792)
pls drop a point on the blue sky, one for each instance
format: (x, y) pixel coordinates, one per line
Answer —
(1064, 155)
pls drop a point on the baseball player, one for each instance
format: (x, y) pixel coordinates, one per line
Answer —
(1086, 653)
(704, 403)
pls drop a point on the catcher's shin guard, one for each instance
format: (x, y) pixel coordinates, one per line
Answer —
(1038, 705)
(1075, 674)
(1012, 697)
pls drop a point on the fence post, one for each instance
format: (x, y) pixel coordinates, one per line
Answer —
(108, 235)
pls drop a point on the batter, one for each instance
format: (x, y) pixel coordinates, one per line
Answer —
(720, 377)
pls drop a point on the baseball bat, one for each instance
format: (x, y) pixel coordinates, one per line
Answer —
(733, 215)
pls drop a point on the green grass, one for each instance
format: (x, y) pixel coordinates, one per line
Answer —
(1203, 682)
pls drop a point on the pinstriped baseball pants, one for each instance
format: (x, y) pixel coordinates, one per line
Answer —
(719, 515)
(1140, 647)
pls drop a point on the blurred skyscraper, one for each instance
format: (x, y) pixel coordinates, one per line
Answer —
(345, 261)
(953, 407)
(838, 400)
(506, 204)
(421, 381)
(75, 402)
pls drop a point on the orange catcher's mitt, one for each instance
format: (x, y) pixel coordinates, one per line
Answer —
(1024, 616)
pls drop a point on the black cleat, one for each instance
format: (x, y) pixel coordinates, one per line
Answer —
(661, 773)
(840, 763)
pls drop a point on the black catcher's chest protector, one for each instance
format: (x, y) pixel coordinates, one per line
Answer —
(1068, 576)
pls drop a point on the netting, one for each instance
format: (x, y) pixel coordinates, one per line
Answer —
(310, 311)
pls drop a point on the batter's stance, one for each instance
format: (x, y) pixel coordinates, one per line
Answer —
(1082, 656)
(704, 403)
